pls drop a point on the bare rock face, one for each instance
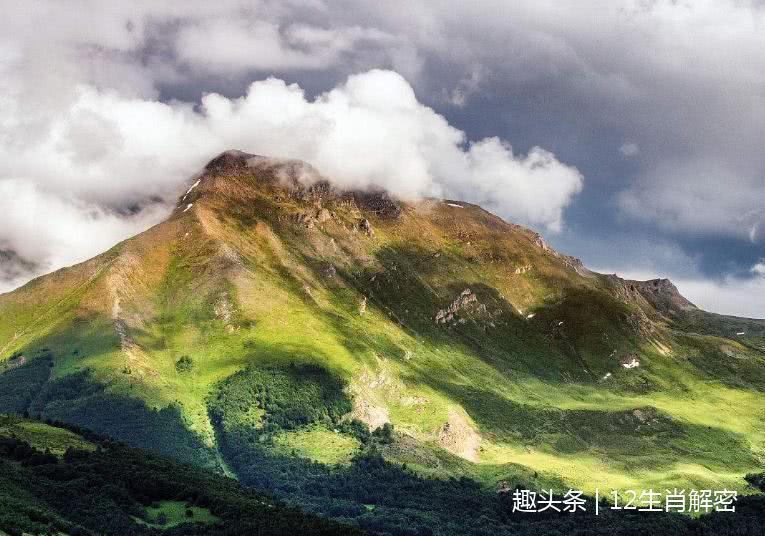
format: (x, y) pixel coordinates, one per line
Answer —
(380, 203)
(663, 295)
(462, 302)
(364, 226)
(520, 270)
(659, 293)
(540, 242)
(373, 416)
(15, 361)
(458, 437)
(329, 271)
(224, 311)
(311, 218)
(323, 215)
(576, 265)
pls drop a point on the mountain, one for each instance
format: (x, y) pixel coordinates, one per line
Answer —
(276, 325)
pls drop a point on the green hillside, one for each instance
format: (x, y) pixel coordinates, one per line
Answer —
(271, 327)
(58, 481)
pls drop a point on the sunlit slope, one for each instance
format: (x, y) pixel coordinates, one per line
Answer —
(269, 308)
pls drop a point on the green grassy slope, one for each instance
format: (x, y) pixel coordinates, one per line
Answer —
(194, 338)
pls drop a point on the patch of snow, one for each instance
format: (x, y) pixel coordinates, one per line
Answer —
(188, 207)
(455, 205)
(193, 186)
(632, 364)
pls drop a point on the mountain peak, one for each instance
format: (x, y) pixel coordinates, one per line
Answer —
(238, 176)
(661, 293)
(233, 159)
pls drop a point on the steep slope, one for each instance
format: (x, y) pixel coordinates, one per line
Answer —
(271, 310)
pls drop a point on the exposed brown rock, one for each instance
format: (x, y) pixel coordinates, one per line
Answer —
(364, 226)
(323, 215)
(458, 437)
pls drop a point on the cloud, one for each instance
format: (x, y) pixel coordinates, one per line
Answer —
(105, 157)
(229, 44)
(466, 87)
(629, 149)
(698, 197)
(41, 231)
(372, 132)
(682, 81)
(732, 296)
(672, 78)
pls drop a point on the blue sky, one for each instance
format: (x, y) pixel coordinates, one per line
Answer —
(628, 132)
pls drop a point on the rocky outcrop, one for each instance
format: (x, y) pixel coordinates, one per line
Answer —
(576, 264)
(232, 160)
(364, 226)
(373, 416)
(663, 295)
(660, 294)
(522, 269)
(323, 215)
(463, 302)
(328, 271)
(458, 437)
(224, 311)
(380, 203)
(311, 218)
(629, 361)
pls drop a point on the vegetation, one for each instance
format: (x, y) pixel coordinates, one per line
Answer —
(248, 337)
(114, 489)
(184, 364)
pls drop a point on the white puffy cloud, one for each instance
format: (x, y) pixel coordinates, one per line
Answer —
(105, 154)
(675, 78)
(372, 132)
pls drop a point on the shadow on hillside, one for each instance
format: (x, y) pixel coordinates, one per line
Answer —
(81, 400)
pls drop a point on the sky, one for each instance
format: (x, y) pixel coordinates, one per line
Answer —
(628, 132)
